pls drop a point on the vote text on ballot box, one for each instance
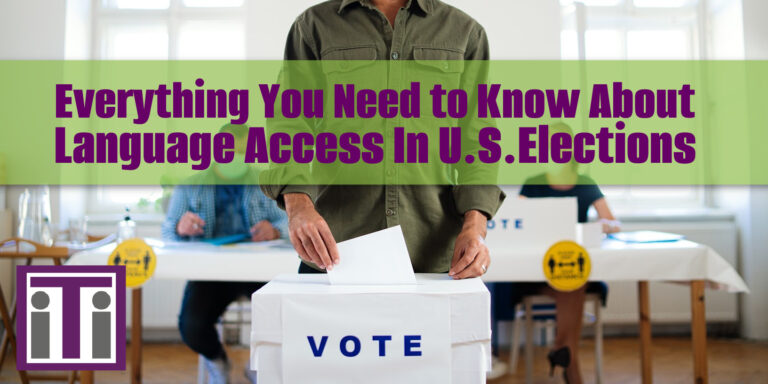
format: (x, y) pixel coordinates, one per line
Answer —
(305, 330)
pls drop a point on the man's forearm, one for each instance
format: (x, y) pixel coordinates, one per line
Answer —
(474, 219)
(294, 201)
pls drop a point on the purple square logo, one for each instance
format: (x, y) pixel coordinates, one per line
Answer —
(70, 317)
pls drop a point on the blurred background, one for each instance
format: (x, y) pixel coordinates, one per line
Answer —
(732, 220)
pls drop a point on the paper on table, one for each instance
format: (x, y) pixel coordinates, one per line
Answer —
(379, 258)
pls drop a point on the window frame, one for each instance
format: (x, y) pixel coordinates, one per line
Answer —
(105, 13)
(625, 17)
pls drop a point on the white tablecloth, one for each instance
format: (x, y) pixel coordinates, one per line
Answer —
(613, 261)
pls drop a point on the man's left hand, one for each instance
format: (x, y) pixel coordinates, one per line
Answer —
(263, 231)
(471, 257)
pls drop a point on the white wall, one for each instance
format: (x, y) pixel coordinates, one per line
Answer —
(753, 209)
(750, 204)
(517, 29)
(30, 29)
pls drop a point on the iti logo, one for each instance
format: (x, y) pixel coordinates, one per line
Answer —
(70, 317)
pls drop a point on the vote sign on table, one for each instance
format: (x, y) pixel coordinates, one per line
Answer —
(532, 223)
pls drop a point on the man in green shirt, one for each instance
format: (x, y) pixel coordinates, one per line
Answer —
(444, 225)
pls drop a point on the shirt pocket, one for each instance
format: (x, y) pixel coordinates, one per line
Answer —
(347, 66)
(443, 66)
(346, 62)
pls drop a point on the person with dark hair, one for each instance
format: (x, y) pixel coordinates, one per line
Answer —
(563, 180)
(228, 203)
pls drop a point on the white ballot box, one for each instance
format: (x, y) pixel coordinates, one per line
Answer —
(305, 330)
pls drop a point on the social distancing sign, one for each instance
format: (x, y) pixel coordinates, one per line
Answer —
(567, 266)
(138, 258)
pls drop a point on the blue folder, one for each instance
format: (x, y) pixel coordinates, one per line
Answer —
(224, 240)
(645, 237)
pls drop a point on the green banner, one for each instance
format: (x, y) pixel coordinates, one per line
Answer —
(382, 122)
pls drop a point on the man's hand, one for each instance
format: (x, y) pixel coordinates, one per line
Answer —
(264, 231)
(470, 254)
(190, 225)
(310, 234)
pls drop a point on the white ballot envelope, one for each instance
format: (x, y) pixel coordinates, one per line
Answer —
(378, 258)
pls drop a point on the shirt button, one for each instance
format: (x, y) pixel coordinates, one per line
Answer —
(390, 212)
(390, 172)
(395, 55)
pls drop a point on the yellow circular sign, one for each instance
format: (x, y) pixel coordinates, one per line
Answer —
(567, 266)
(139, 260)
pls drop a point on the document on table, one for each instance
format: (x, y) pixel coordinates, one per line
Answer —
(379, 258)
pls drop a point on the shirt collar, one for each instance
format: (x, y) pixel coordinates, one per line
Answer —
(425, 5)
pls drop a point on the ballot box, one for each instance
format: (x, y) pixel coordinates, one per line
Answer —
(305, 330)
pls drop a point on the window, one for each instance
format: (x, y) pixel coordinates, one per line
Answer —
(635, 30)
(169, 29)
(160, 30)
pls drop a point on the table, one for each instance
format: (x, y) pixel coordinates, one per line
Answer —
(681, 261)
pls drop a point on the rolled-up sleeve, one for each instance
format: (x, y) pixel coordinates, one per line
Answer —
(484, 198)
(176, 209)
(469, 195)
(276, 192)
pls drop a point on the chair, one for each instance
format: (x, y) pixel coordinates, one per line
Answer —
(542, 307)
(18, 248)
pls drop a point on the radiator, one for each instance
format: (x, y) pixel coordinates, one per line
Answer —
(161, 299)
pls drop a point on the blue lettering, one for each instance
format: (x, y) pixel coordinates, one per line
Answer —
(411, 342)
(504, 223)
(315, 350)
(343, 346)
(490, 224)
(382, 344)
(519, 223)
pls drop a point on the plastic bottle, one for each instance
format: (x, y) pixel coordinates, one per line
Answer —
(126, 228)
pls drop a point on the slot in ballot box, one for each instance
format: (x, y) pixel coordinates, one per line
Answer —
(305, 330)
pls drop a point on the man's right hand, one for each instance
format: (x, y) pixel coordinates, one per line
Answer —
(310, 234)
(190, 225)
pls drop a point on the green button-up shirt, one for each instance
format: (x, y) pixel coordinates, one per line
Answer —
(431, 216)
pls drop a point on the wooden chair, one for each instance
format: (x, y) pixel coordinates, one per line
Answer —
(527, 312)
(18, 248)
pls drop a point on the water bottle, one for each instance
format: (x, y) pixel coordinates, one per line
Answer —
(126, 228)
(35, 215)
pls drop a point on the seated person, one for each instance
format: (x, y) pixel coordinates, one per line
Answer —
(561, 181)
(208, 211)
